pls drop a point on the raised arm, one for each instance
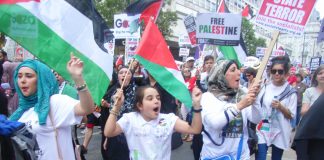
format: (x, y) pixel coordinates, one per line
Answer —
(86, 104)
(196, 125)
(112, 128)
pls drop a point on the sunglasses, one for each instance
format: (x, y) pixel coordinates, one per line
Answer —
(248, 75)
(279, 71)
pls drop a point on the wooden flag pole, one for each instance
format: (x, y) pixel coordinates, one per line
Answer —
(267, 55)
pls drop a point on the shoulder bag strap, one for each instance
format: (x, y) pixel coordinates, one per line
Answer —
(56, 133)
(223, 132)
(239, 150)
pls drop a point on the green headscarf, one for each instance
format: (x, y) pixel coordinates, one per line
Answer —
(46, 86)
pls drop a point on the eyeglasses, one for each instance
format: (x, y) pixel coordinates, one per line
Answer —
(279, 71)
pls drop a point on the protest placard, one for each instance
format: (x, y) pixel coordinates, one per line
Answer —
(189, 22)
(315, 62)
(130, 47)
(218, 28)
(184, 40)
(184, 52)
(286, 16)
(123, 25)
(260, 51)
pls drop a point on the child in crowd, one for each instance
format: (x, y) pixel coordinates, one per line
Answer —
(148, 132)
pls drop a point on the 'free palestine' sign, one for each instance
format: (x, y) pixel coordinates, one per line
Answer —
(218, 28)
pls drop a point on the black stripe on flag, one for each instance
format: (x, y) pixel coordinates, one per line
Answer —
(139, 6)
(100, 28)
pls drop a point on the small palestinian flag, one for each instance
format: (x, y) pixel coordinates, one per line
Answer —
(51, 29)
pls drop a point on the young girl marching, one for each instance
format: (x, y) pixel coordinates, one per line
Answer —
(148, 132)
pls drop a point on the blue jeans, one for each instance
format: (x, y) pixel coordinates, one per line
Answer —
(262, 152)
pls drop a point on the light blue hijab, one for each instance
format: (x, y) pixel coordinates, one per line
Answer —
(47, 85)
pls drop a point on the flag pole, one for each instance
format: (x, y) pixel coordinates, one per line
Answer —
(267, 55)
(123, 83)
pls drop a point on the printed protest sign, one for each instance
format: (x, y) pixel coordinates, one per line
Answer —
(123, 24)
(184, 52)
(315, 62)
(218, 28)
(130, 47)
(184, 40)
(190, 24)
(289, 16)
(260, 51)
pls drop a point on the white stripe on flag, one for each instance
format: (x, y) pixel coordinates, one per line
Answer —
(74, 23)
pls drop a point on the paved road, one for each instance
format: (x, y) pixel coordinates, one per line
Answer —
(182, 153)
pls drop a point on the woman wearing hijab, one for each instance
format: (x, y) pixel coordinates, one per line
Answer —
(47, 113)
(116, 147)
(226, 109)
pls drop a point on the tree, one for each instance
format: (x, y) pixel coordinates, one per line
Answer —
(108, 8)
(251, 42)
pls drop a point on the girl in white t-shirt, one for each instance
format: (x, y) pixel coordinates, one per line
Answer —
(148, 132)
(311, 94)
(48, 113)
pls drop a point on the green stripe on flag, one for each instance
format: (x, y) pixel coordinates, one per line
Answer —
(167, 80)
(229, 53)
(47, 46)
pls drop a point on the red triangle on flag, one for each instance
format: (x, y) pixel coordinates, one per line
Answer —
(245, 11)
(151, 11)
(154, 48)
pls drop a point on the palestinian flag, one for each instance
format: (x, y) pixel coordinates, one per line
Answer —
(145, 9)
(237, 53)
(51, 29)
(154, 55)
(247, 12)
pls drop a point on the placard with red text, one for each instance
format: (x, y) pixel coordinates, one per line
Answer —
(289, 16)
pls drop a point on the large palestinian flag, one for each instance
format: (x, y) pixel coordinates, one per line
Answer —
(237, 53)
(51, 29)
(154, 55)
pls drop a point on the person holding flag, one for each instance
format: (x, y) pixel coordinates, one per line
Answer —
(149, 132)
(226, 110)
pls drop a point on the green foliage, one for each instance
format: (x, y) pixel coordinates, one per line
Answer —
(251, 42)
(108, 8)
(165, 21)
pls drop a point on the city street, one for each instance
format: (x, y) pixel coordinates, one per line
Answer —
(182, 153)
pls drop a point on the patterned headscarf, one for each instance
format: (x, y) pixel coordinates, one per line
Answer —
(46, 86)
(217, 83)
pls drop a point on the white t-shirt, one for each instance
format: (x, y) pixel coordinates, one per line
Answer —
(214, 120)
(311, 95)
(278, 123)
(62, 111)
(148, 140)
